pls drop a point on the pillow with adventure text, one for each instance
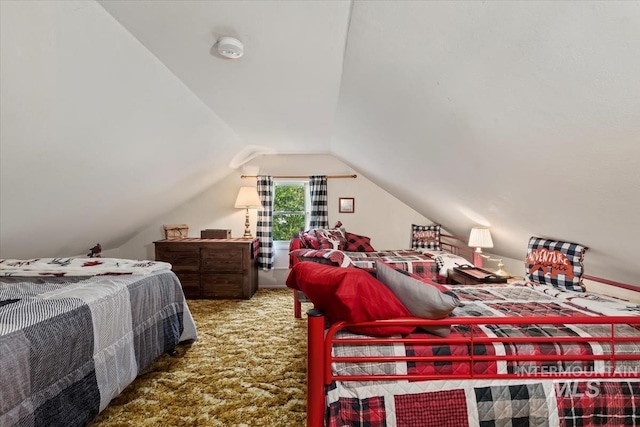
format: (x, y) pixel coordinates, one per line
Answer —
(555, 263)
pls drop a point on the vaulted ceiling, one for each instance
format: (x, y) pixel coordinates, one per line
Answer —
(524, 116)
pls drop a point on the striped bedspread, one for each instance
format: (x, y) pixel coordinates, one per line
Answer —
(69, 345)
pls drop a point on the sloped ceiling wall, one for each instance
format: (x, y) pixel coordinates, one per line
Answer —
(97, 136)
(524, 116)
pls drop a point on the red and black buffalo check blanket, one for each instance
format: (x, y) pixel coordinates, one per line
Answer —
(551, 401)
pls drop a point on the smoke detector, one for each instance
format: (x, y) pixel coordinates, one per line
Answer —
(230, 47)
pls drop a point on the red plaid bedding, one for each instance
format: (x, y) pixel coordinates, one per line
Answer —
(408, 260)
(551, 401)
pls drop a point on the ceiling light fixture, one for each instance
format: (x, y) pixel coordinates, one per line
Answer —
(230, 47)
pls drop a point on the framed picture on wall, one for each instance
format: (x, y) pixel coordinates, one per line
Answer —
(346, 205)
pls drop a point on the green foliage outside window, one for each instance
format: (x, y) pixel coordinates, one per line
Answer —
(288, 211)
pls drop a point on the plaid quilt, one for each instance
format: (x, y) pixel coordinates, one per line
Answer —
(69, 345)
(408, 260)
(552, 401)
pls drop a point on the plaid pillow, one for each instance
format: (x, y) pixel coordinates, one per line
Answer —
(357, 243)
(309, 241)
(425, 237)
(555, 263)
(331, 238)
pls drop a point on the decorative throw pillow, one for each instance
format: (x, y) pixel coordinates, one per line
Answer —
(357, 243)
(349, 294)
(310, 241)
(296, 243)
(555, 263)
(423, 298)
(331, 238)
(425, 237)
(333, 256)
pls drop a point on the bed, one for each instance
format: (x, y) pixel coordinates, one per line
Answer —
(523, 354)
(74, 332)
(432, 253)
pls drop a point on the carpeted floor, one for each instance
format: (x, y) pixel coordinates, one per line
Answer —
(248, 368)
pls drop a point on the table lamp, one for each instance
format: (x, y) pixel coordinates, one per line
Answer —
(247, 199)
(479, 238)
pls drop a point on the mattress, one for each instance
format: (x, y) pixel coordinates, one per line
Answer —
(70, 344)
(511, 398)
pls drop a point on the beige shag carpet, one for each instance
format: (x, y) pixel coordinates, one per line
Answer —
(248, 368)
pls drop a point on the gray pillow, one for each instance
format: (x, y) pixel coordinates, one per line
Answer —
(422, 299)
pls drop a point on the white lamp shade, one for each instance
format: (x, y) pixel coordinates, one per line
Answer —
(480, 237)
(248, 198)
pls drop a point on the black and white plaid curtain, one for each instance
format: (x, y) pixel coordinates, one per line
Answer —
(264, 230)
(319, 211)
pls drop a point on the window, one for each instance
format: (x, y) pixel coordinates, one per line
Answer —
(290, 213)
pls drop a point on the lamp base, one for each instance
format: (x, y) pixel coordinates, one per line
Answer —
(477, 261)
(247, 226)
(500, 271)
(477, 258)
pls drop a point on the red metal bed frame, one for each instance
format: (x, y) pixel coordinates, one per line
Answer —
(319, 358)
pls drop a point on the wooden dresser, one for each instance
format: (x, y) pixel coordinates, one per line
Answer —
(213, 268)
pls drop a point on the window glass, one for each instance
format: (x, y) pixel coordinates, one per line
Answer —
(289, 209)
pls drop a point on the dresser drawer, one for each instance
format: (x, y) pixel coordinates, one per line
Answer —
(190, 284)
(222, 285)
(229, 258)
(212, 268)
(182, 257)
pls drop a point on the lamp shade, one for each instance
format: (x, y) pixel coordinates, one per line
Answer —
(480, 237)
(248, 198)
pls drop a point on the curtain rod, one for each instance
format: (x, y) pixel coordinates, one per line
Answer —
(300, 176)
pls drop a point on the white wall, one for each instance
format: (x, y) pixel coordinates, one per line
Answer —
(96, 134)
(378, 214)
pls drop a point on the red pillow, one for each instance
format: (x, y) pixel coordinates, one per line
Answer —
(357, 243)
(331, 238)
(295, 243)
(310, 241)
(349, 294)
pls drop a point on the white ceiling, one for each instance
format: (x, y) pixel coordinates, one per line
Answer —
(524, 116)
(283, 93)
